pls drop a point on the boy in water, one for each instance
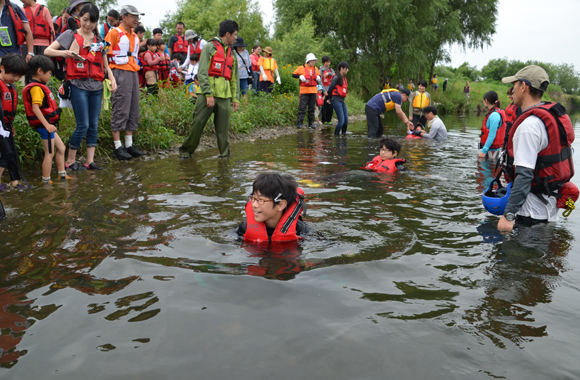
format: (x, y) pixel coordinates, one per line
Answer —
(273, 212)
(387, 160)
(13, 68)
(43, 115)
(437, 131)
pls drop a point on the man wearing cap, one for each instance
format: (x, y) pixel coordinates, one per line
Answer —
(125, 101)
(309, 80)
(218, 90)
(384, 101)
(538, 154)
(195, 45)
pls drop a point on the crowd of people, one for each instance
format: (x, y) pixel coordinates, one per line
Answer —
(533, 138)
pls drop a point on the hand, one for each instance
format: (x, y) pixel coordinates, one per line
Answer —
(410, 124)
(303, 78)
(235, 106)
(279, 80)
(28, 56)
(328, 101)
(264, 77)
(210, 102)
(51, 128)
(67, 54)
(325, 93)
(13, 131)
(505, 225)
(113, 85)
(481, 155)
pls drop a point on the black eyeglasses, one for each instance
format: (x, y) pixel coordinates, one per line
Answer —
(251, 198)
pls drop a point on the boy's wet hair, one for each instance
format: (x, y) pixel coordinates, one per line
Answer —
(423, 83)
(38, 62)
(390, 144)
(270, 185)
(194, 57)
(430, 109)
(14, 64)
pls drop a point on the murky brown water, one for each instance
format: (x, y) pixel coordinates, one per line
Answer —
(134, 272)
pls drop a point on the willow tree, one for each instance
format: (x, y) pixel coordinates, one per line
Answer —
(382, 37)
(204, 17)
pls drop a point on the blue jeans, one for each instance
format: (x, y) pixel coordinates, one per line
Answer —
(341, 115)
(244, 86)
(256, 84)
(87, 108)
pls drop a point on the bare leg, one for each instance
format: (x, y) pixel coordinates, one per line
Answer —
(72, 156)
(60, 149)
(90, 155)
(47, 163)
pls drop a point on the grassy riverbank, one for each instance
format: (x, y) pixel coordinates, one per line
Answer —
(165, 120)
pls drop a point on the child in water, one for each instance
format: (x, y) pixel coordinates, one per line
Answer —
(387, 161)
(273, 211)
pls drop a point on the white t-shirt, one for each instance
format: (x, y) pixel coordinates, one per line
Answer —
(530, 138)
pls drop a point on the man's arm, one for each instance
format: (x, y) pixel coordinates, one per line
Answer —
(29, 40)
(411, 98)
(401, 115)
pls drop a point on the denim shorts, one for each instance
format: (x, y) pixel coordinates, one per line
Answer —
(44, 133)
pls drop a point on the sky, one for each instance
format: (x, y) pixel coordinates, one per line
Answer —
(525, 30)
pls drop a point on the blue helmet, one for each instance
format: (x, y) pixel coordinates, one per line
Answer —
(495, 201)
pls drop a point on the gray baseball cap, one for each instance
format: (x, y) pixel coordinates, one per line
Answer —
(535, 75)
(130, 10)
(189, 34)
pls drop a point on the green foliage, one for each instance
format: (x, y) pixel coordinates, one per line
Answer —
(56, 6)
(289, 85)
(300, 40)
(204, 17)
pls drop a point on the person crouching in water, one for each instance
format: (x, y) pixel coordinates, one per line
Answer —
(493, 128)
(437, 130)
(273, 211)
(387, 161)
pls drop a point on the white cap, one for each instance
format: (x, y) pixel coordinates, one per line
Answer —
(310, 57)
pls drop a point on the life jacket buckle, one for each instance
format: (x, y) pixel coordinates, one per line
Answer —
(570, 206)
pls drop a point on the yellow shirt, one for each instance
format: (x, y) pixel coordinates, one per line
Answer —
(269, 65)
(37, 95)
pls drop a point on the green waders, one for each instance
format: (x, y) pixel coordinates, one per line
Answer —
(201, 115)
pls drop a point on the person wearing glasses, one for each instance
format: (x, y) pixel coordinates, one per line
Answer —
(274, 210)
(125, 101)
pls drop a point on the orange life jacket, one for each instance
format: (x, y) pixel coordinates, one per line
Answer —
(38, 25)
(341, 90)
(92, 67)
(221, 65)
(310, 76)
(554, 166)
(49, 108)
(285, 229)
(377, 164)
(9, 102)
(499, 134)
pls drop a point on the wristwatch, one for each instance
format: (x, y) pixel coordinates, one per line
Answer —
(510, 216)
(32, 54)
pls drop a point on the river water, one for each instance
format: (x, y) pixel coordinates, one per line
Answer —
(135, 272)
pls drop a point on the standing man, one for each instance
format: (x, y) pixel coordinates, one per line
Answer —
(125, 101)
(445, 84)
(419, 100)
(309, 78)
(18, 30)
(40, 22)
(218, 89)
(538, 152)
(327, 74)
(177, 42)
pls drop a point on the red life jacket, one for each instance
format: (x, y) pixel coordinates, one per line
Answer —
(147, 67)
(310, 76)
(49, 108)
(510, 113)
(554, 166)
(40, 29)
(65, 25)
(327, 79)
(319, 99)
(107, 27)
(387, 166)
(92, 67)
(411, 136)
(18, 24)
(285, 229)
(9, 102)
(341, 90)
(221, 65)
(196, 47)
(163, 66)
(180, 46)
(499, 134)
